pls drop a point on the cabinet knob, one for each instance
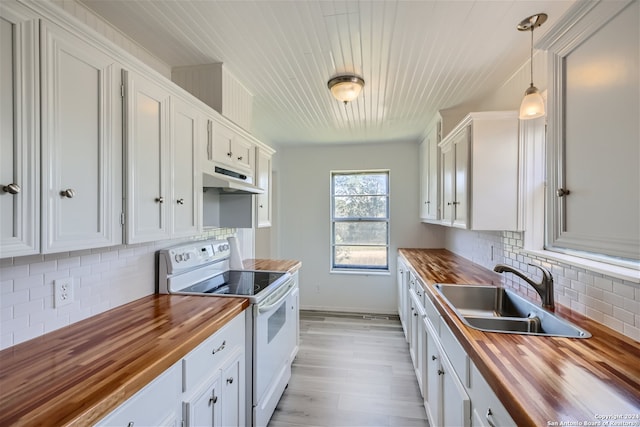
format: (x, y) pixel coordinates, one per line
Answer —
(261, 206)
(11, 188)
(561, 192)
(130, 424)
(240, 158)
(230, 380)
(229, 154)
(440, 372)
(427, 202)
(213, 400)
(449, 203)
(68, 193)
(180, 201)
(160, 199)
(433, 357)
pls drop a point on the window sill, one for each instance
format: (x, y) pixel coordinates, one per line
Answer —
(619, 272)
(361, 272)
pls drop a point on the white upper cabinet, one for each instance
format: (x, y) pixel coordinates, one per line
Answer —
(81, 143)
(263, 201)
(19, 133)
(429, 173)
(480, 173)
(147, 147)
(164, 182)
(231, 149)
(186, 178)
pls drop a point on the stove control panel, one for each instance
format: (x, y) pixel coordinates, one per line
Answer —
(195, 254)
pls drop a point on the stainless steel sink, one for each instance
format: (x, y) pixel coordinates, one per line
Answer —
(493, 309)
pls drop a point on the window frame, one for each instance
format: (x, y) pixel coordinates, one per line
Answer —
(368, 269)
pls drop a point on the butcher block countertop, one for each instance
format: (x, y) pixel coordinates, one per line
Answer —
(541, 381)
(272, 265)
(80, 373)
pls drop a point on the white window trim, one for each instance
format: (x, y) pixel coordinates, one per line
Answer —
(356, 270)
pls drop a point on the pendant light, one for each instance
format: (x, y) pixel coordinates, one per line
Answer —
(532, 105)
(346, 88)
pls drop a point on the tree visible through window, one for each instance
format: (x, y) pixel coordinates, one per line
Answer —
(360, 220)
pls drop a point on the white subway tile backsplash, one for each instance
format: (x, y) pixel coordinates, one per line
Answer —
(104, 278)
(611, 301)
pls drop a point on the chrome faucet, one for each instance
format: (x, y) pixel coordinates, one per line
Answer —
(544, 288)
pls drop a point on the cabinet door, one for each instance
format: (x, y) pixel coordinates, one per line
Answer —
(221, 144)
(400, 283)
(448, 185)
(19, 133)
(461, 147)
(186, 182)
(456, 406)
(205, 408)
(433, 173)
(263, 201)
(295, 310)
(81, 143)
(424, 178)
(233, 409)
(243, 153)
(147, 145)
(434, 381)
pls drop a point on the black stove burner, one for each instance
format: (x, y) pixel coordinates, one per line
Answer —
(236, 282)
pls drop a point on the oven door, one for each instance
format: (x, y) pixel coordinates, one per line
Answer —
(274, 340)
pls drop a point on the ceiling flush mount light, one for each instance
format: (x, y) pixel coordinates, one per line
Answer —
(346, 88)
(532, 105)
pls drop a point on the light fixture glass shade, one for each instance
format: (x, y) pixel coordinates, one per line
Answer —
(532, 105)
(345, 88)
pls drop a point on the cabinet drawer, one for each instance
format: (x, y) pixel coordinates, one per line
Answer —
(432, 313)
(455, 353)
(487, 408)
(154, 405)
(200, 364)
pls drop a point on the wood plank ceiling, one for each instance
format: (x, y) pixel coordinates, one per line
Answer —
(416, 57)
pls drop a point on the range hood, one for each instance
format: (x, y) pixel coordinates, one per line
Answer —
(229, 181)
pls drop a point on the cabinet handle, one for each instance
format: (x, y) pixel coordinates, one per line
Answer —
(230, 380)
(489, 414)
(216, 350)
(68, 193)
(11, 188)
(261, 206)
(456, 203)
(160, 199)
(229, 154)
(214, 400)
(561, 192)
(449, 203)
(415, 314)
(180, 201)
(130, 424)
(440, 372)
(433, 357)
(240, 158)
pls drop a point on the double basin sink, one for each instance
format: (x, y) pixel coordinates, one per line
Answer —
(494, 309)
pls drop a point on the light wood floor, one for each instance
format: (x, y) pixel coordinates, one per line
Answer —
(351, 371)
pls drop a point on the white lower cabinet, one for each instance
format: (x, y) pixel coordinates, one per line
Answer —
(214, 385)
(157, 404)
(455, 393)
(206, 388)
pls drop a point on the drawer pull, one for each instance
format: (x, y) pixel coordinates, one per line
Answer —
(441, 372)
(489, 414)
(230, 380)
(216, 350)
(433, 357)
(130, 424)
(213, 400)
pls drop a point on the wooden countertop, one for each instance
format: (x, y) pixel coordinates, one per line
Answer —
(272, 265)
(541, 380)
(78, 374)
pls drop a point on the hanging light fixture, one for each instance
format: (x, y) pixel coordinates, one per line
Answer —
(346, 88)
(532, 105)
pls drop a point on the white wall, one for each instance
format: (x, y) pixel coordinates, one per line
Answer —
(304, 223)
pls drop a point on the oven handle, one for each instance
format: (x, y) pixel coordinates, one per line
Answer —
(285, 293)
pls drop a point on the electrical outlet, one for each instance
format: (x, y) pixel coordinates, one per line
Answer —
(62, 292)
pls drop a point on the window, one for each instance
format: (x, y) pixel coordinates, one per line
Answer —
(360, 220)
(593, 176)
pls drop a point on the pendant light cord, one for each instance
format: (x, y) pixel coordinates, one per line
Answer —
(531, 57)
